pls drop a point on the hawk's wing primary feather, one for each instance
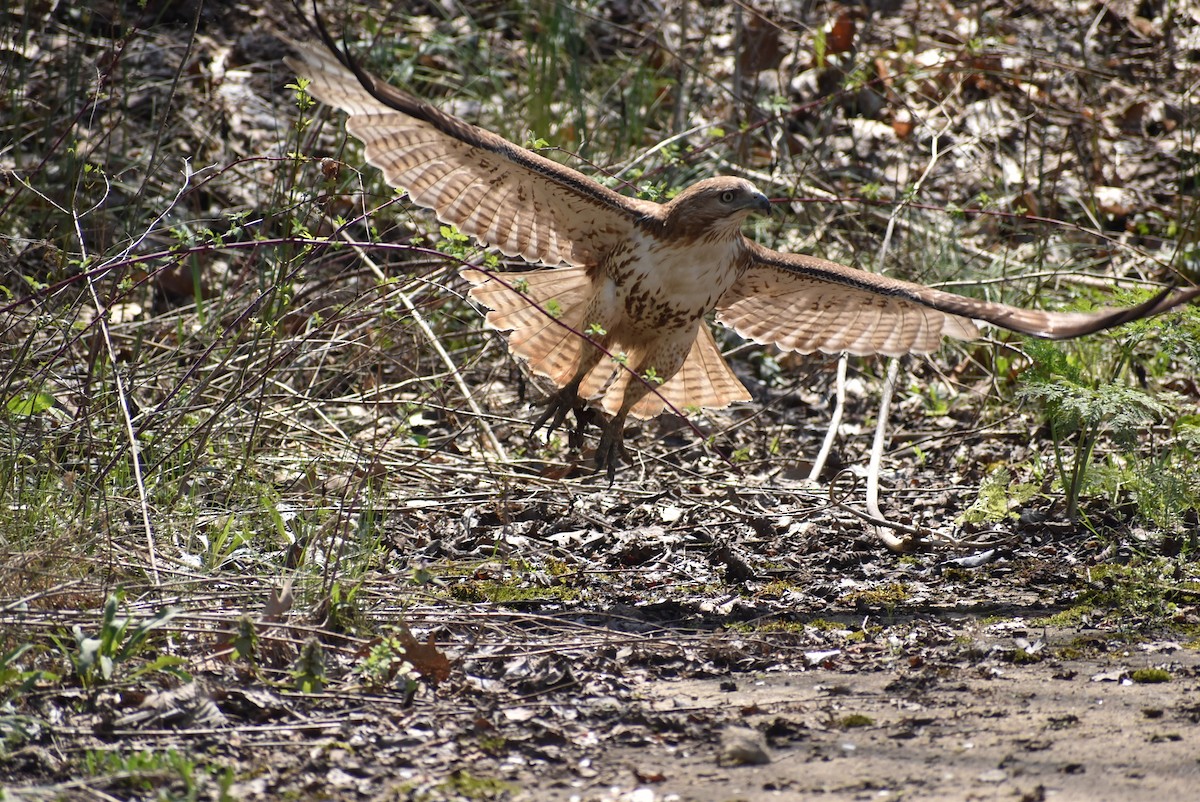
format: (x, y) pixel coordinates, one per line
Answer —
(502, 195)
(801, 303)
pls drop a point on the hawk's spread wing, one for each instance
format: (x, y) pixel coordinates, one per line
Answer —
(502, 195)
(801, 303)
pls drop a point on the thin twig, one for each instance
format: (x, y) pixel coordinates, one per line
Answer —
(135, 454)
(835, 420)
(873, 469)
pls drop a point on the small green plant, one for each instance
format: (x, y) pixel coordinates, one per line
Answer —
(96, 658)
(998, 497)
(888, 596)
(652, 376)
(937, 401)
(387, 665)
(343, 614)
(1150, 675)
(308, 673)
(1165, 484)
(227, 536)
(1022, 656)
(145, 771)
(1137, 596)
(820, 47)
(454, 243)
(304, 101)
(244, 644)
(463, 784)
(28, 404)
(1085, 399)
(16, 681)
(493, 744)
(855, 720)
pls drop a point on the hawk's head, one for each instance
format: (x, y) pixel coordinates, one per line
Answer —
(713, 209)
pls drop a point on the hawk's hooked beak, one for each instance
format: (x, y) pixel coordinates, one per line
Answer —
(761, 203)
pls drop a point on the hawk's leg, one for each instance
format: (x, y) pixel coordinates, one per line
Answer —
(662, 361)
(566, 400)
(563, 402)
(611, 450)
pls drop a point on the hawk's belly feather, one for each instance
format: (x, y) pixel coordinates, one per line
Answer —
(666, 287)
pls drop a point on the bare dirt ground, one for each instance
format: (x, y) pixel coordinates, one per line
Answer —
(392, 611)
(959, 729)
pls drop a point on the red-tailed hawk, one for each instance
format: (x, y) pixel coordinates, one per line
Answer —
(638, 277)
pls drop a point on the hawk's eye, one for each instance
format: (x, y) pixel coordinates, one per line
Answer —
(727, 196)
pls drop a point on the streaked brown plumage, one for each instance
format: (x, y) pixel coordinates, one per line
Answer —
(640, 276)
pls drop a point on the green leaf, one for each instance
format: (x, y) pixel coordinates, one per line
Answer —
(29, 404)
(143, 629)
(166, 663)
